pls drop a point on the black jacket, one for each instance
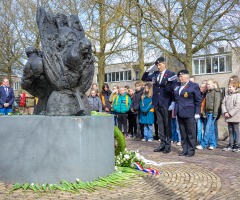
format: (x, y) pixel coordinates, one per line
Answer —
(136, 101)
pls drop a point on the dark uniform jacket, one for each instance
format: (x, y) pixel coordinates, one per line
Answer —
(162, 93)
(188, 103)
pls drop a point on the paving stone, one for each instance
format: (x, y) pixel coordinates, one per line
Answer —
(208, 175)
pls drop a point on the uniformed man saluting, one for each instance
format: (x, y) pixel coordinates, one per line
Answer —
(161, 100)
(187, 108)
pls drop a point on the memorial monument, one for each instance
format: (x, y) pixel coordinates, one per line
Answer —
(57, 143)
(65, 71)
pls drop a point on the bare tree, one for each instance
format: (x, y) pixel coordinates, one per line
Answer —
(11, 51)
(187, 26)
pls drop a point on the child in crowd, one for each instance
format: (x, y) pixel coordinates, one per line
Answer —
(95, 87)
(201, 123)
(104, 96)
(132, 125)
(121, 106)
(231, 111)
(135, 110)
(94, 101)
(111, 99)
(235, 79)
(147, 112)
(210, 112)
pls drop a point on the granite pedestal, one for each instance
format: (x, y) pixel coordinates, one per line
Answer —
(44, 149)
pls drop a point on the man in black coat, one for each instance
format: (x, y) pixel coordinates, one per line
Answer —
(162, 98)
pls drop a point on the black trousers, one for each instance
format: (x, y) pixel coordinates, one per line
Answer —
(132, 123)
(122, 122)
(156, 137)
(187, 128)
(164, 126)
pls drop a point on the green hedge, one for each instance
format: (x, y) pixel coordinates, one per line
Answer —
(120, 143)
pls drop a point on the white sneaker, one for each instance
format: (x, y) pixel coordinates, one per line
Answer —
(143, 140)
(199, 147)
(228, 148)
(211, 148)
(178, 144)
(150, 140)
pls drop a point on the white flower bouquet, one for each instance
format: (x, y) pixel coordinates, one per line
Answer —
(128, 159)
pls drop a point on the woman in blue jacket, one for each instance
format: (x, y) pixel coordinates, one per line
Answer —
(147, 112)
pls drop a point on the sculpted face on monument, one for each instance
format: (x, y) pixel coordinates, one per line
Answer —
(65, 71)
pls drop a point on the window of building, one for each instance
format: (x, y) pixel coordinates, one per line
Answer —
(113, 76)
(212, 64)
(16, 85)
(118, 76)
(125, 76)
(121, 76)
(109, 78)
(209, 65)
(129, 75)
(137, 75)
(105, 77)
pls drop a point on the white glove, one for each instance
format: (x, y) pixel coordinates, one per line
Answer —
(150, 68)
(173, 78)
(171, 107)
(196, 116)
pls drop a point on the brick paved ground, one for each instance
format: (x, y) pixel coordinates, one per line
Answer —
(209, 175)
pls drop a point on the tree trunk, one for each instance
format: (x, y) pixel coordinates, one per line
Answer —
(188, 63)
(101, 70)
(9, 73)
(140, 44)
(101, 55)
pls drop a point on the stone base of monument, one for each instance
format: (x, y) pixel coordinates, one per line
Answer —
(44, 149)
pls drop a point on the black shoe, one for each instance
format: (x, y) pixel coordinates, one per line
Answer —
(155, 137)
(236, 148)
(159, 149)
(189, 155)
(166, 150)
(182, 154)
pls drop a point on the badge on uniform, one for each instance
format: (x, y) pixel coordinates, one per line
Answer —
(185, 95)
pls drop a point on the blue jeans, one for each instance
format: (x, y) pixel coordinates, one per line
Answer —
(209, 134)
(148, 132)
(5, 111)
(201, 124)
(115, 118)
(216, 131)
(174, 130)
(178, 130)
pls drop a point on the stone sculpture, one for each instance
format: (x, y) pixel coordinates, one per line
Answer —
(66, 66)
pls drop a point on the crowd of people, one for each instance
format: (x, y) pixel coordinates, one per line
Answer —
(172, 109)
